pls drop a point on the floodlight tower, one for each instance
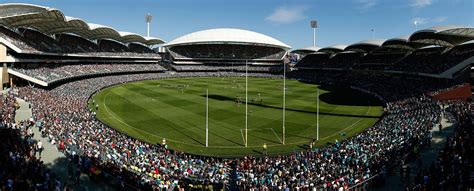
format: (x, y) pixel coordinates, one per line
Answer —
(314, 25)
(148, 18)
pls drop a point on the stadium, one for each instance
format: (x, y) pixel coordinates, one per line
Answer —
(88, 107)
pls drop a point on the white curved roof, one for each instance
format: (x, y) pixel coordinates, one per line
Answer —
(443, 35)
(440, 28)
(227, 35)
(400, 38)
(335, 47)
(52, 21)
(309, 49)
(375, 42)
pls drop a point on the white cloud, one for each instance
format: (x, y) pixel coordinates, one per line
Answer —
(420, 21)
(420, 3)
(286, 15)
(440, 19)
(366, 4)
(424, 21)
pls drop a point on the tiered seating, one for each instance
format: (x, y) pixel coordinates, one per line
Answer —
(223, 51)
(41, 41)
(421, 61)
(345, 59)
(138, 48)
(32, 41)
(55, 72)
(381, 59)
(227, 68)
(16, 39)
(111, 46)
(76, 44)
(454, 56)
(317, 60)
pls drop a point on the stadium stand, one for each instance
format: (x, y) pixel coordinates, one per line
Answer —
(381, 58)
(76, 44)
(410, 115)
(56, 72)
(16, 39)
(315, 60)
(453, 168)
(60, 111)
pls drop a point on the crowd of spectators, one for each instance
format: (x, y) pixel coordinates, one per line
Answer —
(33, 41)
(55, 72)
(63, 116)
(434, 60)
(40, 41)
(21, 167)
(16, 39)
(453, 169)
(227, 51)
(381, 59)
(317, 60)
(431, 60)
(343, 60)
(76, 44)
(227, 67)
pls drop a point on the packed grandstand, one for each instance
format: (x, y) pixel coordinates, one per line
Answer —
(58, 65)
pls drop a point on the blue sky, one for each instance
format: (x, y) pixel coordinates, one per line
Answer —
(340, 21)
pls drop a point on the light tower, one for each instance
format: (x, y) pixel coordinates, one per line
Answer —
(148, 18)
(314, 25)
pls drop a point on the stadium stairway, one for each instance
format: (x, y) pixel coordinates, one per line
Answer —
(395, 180)
(52, 158)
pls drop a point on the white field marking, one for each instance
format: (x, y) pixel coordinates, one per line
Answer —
(276, 135)
(113, 115)
(243, 138)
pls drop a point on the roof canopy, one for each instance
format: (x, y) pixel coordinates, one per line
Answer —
(227, 35)
(365, 45)
(443, 35)
(307, 50)
(53, 21)
(438, 35)
(333, 49)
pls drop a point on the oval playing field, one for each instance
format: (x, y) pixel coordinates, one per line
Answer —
(175, 109)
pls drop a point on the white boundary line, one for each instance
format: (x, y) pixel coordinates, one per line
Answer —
(276, 135)
(243, 138)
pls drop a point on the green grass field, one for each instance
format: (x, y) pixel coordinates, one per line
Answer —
(176, 108)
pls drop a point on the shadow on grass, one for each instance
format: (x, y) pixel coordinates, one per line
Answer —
(324, 98)
(349, 97)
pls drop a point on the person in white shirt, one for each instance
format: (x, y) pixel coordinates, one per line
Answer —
(40, 147)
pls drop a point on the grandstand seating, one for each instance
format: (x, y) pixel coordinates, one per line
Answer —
(62, 111)
(76, 44)
(40, 41)
(227, 67)
(16, 39)
(339, 60)
(318, 60)
(32, 41)
(421, 60)
(55, 72)
(224, 51)
(139, 48)
(434, 60)
(108, 45)
(380, 59)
